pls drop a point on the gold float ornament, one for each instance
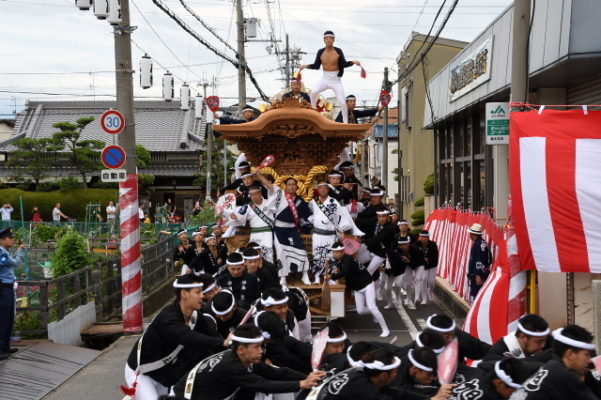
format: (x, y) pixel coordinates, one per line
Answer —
(329, 106)
(267, 170)
(263, 107)
(305, 182)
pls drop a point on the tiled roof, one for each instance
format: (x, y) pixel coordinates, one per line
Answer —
(160, 126)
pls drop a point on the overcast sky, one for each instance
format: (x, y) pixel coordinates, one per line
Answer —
(50, 46)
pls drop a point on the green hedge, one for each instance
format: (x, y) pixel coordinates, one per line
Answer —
(73, 202)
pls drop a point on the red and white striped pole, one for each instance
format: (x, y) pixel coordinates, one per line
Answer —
(131, 266)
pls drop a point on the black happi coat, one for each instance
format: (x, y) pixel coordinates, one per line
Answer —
(221, 375)
(356, 274)
(352, 384)
(245, 288)
(168, 330)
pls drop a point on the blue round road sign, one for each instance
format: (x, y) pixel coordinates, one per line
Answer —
(113, 156)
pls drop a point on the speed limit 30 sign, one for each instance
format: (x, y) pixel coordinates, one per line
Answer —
(112, 122)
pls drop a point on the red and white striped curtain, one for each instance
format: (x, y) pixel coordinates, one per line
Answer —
(502, 300)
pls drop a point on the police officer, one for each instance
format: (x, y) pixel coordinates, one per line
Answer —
(8, 263)
(480, 260)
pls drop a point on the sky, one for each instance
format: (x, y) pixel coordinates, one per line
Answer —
(50, 46)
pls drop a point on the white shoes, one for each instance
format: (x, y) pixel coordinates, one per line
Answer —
(410, 305)
(388, 307)
(385, 333)
(306, 279)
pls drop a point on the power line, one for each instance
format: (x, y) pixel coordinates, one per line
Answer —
(162, 41)
(237, 63)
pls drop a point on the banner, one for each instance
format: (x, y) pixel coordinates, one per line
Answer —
(502, 299)
(555, 179)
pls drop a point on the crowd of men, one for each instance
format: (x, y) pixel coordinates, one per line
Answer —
(206, 346)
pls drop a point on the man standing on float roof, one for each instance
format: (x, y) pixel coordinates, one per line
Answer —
(334, 63)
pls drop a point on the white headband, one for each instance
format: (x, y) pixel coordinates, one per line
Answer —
(196, 234)
(184, 231)
(383, 212)
(235, 263)
(335, 175)
(417, 364)
(533, 333)
(253, 190)
(444, 330)
(329, 35)
(379, 365)
(559, 336)
(265, 334)
(322, 184)
(504, 377)
(257, 248)
(186, 285)
(210, 287)
(252, 257)
(270, 301)
(337, 339)
(421, 344)
(247, 340)
(339, 248)
(247, 174)
(230, 308)
(425, 234)
(209, 238)
(353, 363)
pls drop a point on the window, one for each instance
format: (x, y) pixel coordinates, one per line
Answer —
(405, 106)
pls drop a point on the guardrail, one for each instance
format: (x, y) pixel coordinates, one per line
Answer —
(51, 300)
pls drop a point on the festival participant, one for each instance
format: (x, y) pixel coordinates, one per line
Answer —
(297, 91)
(404, 231)
(240, 372)
(505, 377)
(425, 277)
(210, 288)
(404, 260)
(529, 338)
(281, 349)
(338, 190)
(368, 217)
(360, 281)
(153, 364)
(259, 214)
(567, 374)
(184, 253)
(351, 182)
(480, 260)
(427, 338)
(379, 370)
(334, 353)
(211, 259)
(417, 377)
(469, 346)
(249, 114)
(267, 262)
(290, 213)
(227, 313)
(253, 262)
(276, 300)
(333, 61)
(243, 285)
(378, 242)
(298, 303)
(354, 115)
(328, 218)
(241, 167)
(198, 242)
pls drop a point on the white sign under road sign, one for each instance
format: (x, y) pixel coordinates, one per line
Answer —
(497, 123)
(113, 175)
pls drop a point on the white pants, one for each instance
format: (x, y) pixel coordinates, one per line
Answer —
(392, 284)
(304, 328)
(408, 284)
(147, 388)
(322, 250)
(265, 240)
(421, 284)
(365, 299)
(331, 80)
(431, 281)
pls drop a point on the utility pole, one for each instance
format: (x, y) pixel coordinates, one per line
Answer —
(128, 190)
(241, 58)
(287, 68)
(385, 136)
(209, 147)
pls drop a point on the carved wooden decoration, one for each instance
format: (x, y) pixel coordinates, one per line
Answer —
(296, 134)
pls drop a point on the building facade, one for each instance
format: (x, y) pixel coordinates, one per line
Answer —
(564, 65)
(416, 143)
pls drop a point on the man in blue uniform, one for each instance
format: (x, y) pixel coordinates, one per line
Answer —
(8, 263)
(480, 260)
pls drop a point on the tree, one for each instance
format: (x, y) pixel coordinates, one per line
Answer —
(217, 181)
(31, 158)
(83, 153)
(142, 157)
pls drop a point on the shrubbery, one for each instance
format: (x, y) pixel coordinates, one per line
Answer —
(72, 253)
(73, 202)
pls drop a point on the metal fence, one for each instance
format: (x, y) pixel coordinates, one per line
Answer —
(50, 300)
